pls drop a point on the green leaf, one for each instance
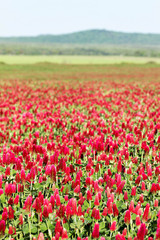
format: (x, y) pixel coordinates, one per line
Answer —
(33, 229)
(72, 225)
(79, 224)
(86, 204)
(86, 215)
(61, 199)
(144, 203)
(133, 216)
(2, 169)
(50, 224)
(154, 214)
(123, 206)
(26, 229)
(102, 225)
(13, 172)
(43, 227)
(108, 219)
(66, 226)
(37, 185)
(87, 220)
(2, 198)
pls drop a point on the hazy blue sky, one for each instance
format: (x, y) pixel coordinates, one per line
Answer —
(32, 17)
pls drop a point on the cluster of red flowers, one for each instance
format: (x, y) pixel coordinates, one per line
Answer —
(80, 162)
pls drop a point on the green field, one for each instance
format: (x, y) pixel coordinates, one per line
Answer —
(55, 73)
(48, 110)
(21, 59)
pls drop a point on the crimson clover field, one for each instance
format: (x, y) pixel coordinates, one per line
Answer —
(80, 152)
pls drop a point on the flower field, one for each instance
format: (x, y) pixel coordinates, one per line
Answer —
(80, 153)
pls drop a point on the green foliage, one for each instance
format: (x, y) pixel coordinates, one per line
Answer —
(92, 42)
(90, 37)
(73, 50)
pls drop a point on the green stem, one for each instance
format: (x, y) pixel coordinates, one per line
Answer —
(131, 226)
(128, 230)
(29, 227)
(49, 231)
(110, 234)
(38, 223)
(75, 219)
(110, 230)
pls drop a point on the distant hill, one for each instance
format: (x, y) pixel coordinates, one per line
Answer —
(90, 37)
(91, 42)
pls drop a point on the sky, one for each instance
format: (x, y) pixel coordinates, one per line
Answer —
(34, 17)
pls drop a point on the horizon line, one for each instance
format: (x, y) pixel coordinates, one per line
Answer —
(78, 31)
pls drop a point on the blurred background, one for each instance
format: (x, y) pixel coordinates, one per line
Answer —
(81, 31)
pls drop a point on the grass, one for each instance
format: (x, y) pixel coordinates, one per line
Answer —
(55, 73)
(23, 59)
